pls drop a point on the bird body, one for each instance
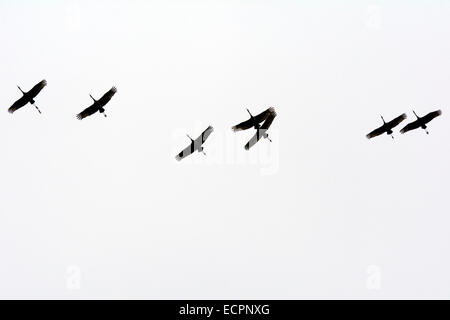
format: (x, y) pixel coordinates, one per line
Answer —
(28, 97)
(421, 122)
(98, 105)
(386, 127)
(267, 117)
(195, 145)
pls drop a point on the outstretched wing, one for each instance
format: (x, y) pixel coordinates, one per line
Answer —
(256, 137)
(18, 104)
(106, 97)
(202, 138)
(376, 132)
(396, 121)
(37, 88)
(266, 125)
(205, 134)
(431, 116)
(262, 131)
(87, 112)
(186, 151)
(250, 123)
(411, 126)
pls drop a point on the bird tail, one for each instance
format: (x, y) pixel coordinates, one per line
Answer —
(37, 108)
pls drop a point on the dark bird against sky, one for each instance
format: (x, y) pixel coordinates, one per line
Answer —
(262, 131)
(98, 105)
(196, 145)
(255, 122)
(386, 127)
(28, 97)
(421, 122)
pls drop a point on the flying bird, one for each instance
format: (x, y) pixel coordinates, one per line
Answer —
(254, 121)
(421, 121)
(98, 105)
(386, 127)
(196, 145)
(28, 97)
(261, 132)
(267, 117)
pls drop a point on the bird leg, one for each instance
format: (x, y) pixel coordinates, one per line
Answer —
(37, 108)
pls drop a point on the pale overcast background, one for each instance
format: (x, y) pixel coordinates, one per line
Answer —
(101, 209)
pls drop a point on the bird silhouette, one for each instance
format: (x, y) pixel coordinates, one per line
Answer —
(421, 122)
(261, 132)
(254, 121)
(28, 97)
(267, 116)
(98, 105)
(196, 145)
(386, 127)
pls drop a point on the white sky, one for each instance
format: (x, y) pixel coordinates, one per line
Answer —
(100, 208)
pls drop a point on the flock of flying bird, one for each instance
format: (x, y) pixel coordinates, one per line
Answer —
(266, 118)
(28, 97)
(420, 122)
(260, 122)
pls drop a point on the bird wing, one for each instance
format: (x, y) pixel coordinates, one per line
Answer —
(186, 151)
(106, 97)
(205, 134)
(250, 123)
(87, 112)
(37, 88)
(260, 132)
(376, 132)
(431, 116)
(269, 120)
(411, 126)
(202, 138)
(395, 122)
(18, 104)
